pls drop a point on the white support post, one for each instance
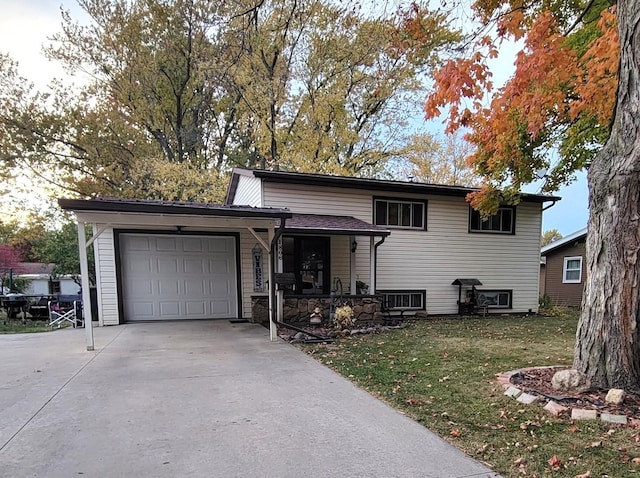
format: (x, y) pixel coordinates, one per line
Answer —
(372, 267)
(273, 329)
(352, 266)
(86, 292)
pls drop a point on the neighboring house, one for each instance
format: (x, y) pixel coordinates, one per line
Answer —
(42, 281)
(406, 241)
(563, 269)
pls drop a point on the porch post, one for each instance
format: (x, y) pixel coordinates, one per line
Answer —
(273, 330)
(86, 292)
(352, 273)
(280, 292)
(372, 261)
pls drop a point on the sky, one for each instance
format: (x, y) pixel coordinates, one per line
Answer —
(26, 24)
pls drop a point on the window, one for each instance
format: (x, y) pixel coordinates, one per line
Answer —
(503, 222)
(400, 213)
(54, 287)
(404, 299)
(572, 270)
(495, 299)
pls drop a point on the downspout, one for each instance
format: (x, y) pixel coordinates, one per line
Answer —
(553, 203)
(375, 262)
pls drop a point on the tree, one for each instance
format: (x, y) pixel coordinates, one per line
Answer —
(439, 161)
(60, 247)
(563, 94)
(10, 263)
(182, 91)
(550, 236)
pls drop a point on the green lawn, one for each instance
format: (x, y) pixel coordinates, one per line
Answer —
(15, 326)
(442, 373)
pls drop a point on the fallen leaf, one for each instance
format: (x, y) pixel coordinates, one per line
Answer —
(454, 433)
(636, 461)
(595, 444)
(555, 463)
(443, 379)
(584, 475)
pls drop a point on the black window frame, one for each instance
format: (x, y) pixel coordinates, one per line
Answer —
(481, 292)
(476, 217)
(385, 293)
(412, 214)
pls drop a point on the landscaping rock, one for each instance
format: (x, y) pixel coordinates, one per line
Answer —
(555, 409)
(611, 418)
(514, 392)
(569, 381)
(615, 395)
(582, 414)
(527, 398)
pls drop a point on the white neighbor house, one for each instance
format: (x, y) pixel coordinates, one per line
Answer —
(158, 260)
(43, 282)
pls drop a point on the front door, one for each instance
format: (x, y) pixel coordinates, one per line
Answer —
(308, 259)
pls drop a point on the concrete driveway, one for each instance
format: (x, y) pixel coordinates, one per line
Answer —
(202, 399)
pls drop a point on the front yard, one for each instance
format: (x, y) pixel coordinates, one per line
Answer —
(442, 372)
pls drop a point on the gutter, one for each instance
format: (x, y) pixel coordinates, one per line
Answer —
(375, 260)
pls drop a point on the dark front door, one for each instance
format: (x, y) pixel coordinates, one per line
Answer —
(308, 259)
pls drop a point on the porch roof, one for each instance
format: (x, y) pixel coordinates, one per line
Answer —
(333, 225)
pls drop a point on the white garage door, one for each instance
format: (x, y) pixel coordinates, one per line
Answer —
(167, 277)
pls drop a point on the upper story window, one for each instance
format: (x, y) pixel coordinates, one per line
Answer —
(572, 270)
(400, 213)
(503, 222)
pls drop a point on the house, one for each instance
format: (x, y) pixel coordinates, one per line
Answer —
(42, 281)
(563, 269)
(310, 234)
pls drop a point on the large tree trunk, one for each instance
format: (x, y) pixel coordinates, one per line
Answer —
(608, 339)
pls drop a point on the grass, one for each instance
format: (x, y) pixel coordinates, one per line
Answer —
(15, 326)
(442, 372)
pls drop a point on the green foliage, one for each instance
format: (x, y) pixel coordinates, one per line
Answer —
(550, 236)
(60, 247)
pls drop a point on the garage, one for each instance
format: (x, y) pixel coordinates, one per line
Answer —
(178, 277)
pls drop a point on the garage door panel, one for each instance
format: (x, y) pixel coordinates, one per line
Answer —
(144, 310)
(178, 277)
(195, 308)
(168, 287)
(220, 307)
(139, 243)
(169, 308)
(193, 244)
(166, 244)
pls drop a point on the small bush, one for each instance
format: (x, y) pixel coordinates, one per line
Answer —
(343, 318)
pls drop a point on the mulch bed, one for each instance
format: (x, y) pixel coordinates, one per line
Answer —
(538, 381)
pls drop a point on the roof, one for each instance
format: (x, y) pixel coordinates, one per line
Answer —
(35, 268)
(363, 183)
(576, 236)
(334, 225)
(170, 207)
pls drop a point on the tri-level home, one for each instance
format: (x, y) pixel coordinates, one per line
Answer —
(418, 247)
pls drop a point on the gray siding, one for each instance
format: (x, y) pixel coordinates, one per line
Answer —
(430, 260)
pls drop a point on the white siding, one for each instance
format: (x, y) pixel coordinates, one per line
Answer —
(247, 243)
(430, 260)
(340, 261)
(106, 284)
(333, 201)
(248, 192)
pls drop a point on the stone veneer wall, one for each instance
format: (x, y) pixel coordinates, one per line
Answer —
(299, 308)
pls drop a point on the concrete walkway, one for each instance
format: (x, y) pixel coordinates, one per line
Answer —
(201, 399)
